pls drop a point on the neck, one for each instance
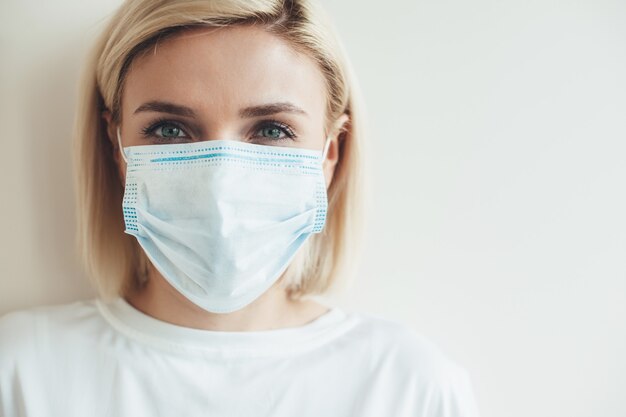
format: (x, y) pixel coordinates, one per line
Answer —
(272, 310)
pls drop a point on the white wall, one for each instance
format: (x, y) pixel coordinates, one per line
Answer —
(497, 202)
(41, 45)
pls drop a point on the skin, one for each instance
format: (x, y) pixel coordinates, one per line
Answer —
(216, 74)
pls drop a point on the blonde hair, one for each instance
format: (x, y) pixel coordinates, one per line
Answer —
(114, 260)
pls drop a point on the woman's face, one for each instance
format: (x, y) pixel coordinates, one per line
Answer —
(238, 83)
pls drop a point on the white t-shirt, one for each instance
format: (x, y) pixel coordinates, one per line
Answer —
(94, 359)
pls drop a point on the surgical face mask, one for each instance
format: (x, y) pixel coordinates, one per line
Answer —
(221, 220)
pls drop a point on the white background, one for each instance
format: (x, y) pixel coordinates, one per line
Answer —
(497, 199)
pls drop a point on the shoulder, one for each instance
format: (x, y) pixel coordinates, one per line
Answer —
(398, 341)
(24, 332)
(431, 381)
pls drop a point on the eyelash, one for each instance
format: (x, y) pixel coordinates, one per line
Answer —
(148, 131)
(275, 123)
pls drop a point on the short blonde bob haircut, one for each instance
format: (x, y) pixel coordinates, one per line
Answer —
(113, 259)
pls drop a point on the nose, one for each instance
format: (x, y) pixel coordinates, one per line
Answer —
(219, 132)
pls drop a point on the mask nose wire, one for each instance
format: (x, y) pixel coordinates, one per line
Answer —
(119, 144)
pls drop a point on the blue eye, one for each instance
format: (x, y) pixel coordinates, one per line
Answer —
(164, 129)
(169, 131)
(274, 131)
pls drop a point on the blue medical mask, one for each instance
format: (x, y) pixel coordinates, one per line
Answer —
(221, 220)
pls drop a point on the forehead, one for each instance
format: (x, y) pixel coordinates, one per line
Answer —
(222, 70)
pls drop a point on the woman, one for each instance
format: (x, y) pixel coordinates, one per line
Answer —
(223, 138)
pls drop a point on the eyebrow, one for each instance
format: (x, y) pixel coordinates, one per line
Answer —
(268, 109)
(248, 112)
(165, 107)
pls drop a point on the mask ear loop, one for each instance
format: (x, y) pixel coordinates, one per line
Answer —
(326, 146)
(119, 143)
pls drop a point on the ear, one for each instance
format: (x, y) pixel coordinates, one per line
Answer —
(111, 128)
(332, 156)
